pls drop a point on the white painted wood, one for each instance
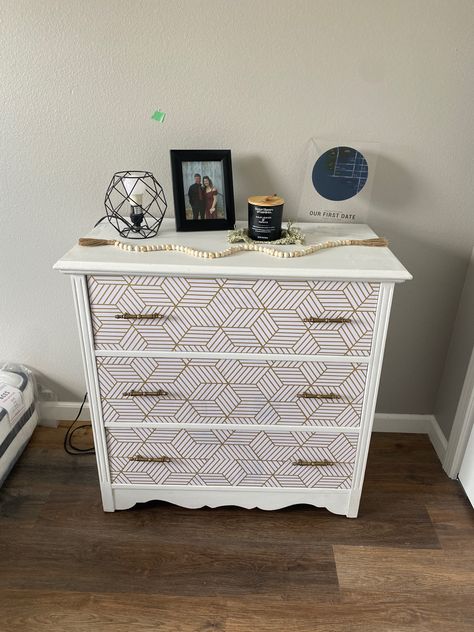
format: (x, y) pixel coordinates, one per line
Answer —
(81, 301)
(348, 262)
(337, 501)
(345, 264)
(437, 438)
(462, 425)
(412, 424)
(51, 413)
(46, 422)
(372, 386)
(108, 499)
(466, 473)
(274, 357)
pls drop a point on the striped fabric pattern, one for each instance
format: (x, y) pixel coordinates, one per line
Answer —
(213, 391)
(232, 315)
(242, 458)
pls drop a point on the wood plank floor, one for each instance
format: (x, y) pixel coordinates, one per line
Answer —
(406, 564)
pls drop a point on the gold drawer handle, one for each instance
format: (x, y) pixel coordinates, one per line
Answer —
(319, 396)
(158, 393)
(314, 463)
(128, 316)
(316, 319)
(150, 459)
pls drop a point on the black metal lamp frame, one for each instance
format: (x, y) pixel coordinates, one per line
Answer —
(145, 220)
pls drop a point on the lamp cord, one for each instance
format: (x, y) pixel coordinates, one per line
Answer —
(105, 217)
(100, 220)
(69, 447)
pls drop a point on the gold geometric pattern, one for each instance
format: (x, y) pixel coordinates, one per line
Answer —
(213, 391)
(242, 458)
(232, 315)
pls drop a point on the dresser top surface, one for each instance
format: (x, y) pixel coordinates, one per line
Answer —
(345, 262)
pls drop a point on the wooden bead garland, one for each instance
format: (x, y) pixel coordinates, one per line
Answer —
(206, 254)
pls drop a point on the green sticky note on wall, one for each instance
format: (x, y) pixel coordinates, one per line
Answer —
(159, 116)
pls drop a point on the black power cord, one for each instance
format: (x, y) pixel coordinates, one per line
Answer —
(69, 447)
(106, 216)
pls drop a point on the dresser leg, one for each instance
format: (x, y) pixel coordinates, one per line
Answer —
(108, 502)
(354, 502)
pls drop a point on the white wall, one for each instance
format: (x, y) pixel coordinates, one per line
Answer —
(81, 79)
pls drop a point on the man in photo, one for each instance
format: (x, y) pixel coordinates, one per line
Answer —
(197, 198)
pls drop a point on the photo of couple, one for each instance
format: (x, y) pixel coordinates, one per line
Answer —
(202, 189)
(204, 197)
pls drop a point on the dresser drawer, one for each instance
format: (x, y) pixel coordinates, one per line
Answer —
(211, 391)
(206, 457)
(156, 313)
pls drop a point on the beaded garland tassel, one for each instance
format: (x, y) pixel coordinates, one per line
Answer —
(253, 247)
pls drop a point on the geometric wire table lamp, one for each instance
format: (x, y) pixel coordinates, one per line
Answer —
(135, 204)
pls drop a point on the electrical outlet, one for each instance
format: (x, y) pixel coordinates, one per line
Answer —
(47, 395)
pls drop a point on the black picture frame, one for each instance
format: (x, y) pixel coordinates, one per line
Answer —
(190, 219)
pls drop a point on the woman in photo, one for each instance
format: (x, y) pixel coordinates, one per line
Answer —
(210, 194)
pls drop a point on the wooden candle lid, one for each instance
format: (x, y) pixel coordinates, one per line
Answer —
(266, 200)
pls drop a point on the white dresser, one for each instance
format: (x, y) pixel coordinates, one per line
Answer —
(247, 380)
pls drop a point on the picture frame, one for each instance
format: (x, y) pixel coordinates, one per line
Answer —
(202, 189)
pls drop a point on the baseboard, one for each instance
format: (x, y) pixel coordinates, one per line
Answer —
(438, 440)
(53, 412)
(418, 424)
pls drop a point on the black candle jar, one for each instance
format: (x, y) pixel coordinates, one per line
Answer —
(265, 215)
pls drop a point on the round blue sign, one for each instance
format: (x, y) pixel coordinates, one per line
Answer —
(340, 173)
